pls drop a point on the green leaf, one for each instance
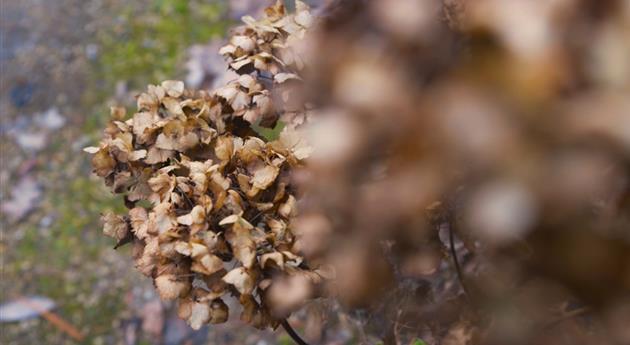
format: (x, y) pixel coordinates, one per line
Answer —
(418, 341)
(269, 134)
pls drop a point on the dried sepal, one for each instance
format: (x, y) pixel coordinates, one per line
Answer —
(115, 226)
(170, 287)
(242, 280)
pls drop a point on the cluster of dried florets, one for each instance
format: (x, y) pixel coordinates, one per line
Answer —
(498, 137)
(210, 202)
(270, 48)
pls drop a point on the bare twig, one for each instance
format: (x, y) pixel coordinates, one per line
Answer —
(567, 316)
(291, 332)
(56, 320)
(458, 268)
(396, 330)
(188, 201)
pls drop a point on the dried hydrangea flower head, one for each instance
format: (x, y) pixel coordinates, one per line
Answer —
(210, 201)
(475, 144)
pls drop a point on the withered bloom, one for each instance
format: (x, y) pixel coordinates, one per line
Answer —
(211, 202)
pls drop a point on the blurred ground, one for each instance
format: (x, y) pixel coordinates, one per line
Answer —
(63, 63)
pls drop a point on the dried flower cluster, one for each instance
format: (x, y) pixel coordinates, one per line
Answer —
(492, 132)
(210, 202)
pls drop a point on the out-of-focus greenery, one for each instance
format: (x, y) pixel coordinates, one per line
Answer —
(147, 43)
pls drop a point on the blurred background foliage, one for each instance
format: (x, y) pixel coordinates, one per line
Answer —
(147, 41)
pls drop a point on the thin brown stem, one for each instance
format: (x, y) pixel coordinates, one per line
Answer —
(291, 332)
(458, 268)
(567, 316)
